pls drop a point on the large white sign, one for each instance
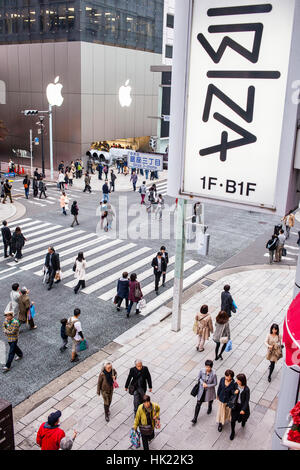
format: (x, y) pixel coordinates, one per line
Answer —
(236, 92)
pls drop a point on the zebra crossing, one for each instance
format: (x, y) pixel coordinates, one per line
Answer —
(291, 251)
(53, 195)
(161, 188)
(106, 260)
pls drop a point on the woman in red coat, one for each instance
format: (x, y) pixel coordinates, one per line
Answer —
(135, 293)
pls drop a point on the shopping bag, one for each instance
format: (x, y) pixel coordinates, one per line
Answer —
(82, 346)
(284, 252)
(228, 346)
(141, 304)
(115, 384)
(32, 311)
(234, 304)
(135, 438)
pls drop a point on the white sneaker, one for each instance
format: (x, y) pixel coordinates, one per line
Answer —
(5, 369)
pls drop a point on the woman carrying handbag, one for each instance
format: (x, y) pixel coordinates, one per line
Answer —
(222, 333)
(135, 293)
(207, 381)
(203, 327)
(79, 269)
(226, 389)
(240, 409)
(147, 419)
(273, 343)
(106, 386)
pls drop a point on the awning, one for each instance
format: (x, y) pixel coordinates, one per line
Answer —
(291, 333)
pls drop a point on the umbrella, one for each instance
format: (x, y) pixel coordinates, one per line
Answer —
(291, 333)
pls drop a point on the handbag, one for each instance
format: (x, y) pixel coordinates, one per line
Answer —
(32, 311)
(115, 384)
(224, 339)
(146, 430)
(82, 346)
(131, 389)
(284, 252)
(141, 304)
(135, 438)
(137, 291)
(232, 402)
(229, 346)
(195, 389)
(74, 267)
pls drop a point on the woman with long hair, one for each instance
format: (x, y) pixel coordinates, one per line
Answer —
(273, 343)
(17, 242)
(135, 293)
(79, 270)
(222, 333)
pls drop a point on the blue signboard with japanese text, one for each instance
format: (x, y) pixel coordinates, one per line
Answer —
(145, 161)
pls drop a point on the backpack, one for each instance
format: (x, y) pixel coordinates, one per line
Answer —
(73, 210)
(70, 328)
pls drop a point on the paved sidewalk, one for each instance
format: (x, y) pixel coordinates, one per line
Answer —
(262, 296)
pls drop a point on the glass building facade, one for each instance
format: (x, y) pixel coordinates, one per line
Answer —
(135, 24)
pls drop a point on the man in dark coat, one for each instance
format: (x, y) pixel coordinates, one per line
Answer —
(7, 191)
(159, 265)
(137, 380)
(53, 264)
(227, 301)
(6, 237)
(105, 191)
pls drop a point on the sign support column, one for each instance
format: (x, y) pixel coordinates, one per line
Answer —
(30, 137)
(179, 265)
(51, 141)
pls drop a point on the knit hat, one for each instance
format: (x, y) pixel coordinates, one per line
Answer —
(53, 417)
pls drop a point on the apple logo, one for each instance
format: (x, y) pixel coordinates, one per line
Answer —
(125, 95)
(53, 93)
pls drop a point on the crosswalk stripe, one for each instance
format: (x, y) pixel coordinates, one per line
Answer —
(141, 277)
(20, 221)
(6, 270)
(26, 232)
(168, 294)
(292, 247)
(75, 249)
(50, 242)
(113, 277)
(266, 255)
(90, 252)
(101, 258)
(51, 232)
(23, 226)
(36, 203)
(7, 275)
(108, 267)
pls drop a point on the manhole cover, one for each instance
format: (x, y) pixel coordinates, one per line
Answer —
(207, 282)
(262, 223)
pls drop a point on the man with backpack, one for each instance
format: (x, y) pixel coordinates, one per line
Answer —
(271, 246)
(74, 331)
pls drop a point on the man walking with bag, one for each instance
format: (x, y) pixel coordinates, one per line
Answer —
(6, 237)
(52, 263)
(159, 265)
(137, 380)
(74, 331)
(11, 328)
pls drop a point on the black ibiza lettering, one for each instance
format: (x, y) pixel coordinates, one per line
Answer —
(247, 114)
(216, 56)
(247, 138)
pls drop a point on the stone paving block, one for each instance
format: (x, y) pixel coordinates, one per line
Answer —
(37, 412)
(83, 423)
(69, 389)
(108, 444)
(84, 436)
(121, 431)
(89, 445)
(19, 438)
(61, 405)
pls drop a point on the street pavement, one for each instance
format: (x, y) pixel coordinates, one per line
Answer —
(262, 296)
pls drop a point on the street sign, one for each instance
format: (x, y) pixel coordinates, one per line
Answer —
(233, 118)
(9, 175)
(36, 141)
(145, 161)
(166, 118)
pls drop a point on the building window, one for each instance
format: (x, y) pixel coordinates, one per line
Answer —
(169, 52)
(170, 21)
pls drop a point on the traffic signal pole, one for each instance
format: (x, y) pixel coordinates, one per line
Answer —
(51, 141)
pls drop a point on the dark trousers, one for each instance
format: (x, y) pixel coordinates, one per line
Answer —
(13, 349)
(61, 185)
(218, 347)
(74, 220)
(157, 279)
(121, 300)
(146, 439)
(6, 196)
(26, 192)
(100, 175)
(18, 254)
(51, 276)
(42, 192)
(138, 399)
(271, 368)
(6, 245)
(80, 283)
(112, 186)
(87, 188)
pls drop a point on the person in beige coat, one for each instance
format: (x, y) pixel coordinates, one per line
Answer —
(105, 386)
(79, 269)
(273, 343)
(24, 308)
(203, 327)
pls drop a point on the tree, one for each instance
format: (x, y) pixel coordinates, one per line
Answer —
(3, 131)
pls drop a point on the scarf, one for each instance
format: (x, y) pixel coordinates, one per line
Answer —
(109, 378)
(149, 414)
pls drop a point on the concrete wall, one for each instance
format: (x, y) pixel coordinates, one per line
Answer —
(91, 75)
(168, 33)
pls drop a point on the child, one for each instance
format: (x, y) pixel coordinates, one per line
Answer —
(63, 334)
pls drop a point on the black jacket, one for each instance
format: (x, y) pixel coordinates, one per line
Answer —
(224, 394)
(105, 189)
(6, 234)
(155, 263)
(243, 406)
(166, 257)
(139, 379)
(55, 264)
(226, 302)
(17, 241)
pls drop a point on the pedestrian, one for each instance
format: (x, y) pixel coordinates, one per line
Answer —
(146, 419)
(79, 270)
(227, 304)
(70, 175)
(49, 435)
(147, 174)
(105, 386)
(61, 181)
(61, 166)
(52, 264)
(280, 246)
(152, 195)
(14, 299)
(222, 333)
(143, 192)
(11, 329)
(105, 171)
(241, 411)
(66, 178)
(134, 179)
(66, 443)
(90, 165)
(36, 174)
(135, 293)
(207, 383)
(160, 206)
(289, 222)
(138, 379)
(100, 170)
(76, 168)
(159, 268)
(103, 212)
(26, 184)
(273, 343)
(64, 202)
(63, 334)
(122, 290)
(271, 246)
(7, 191)
(42, 188)
(2, 190)
(109, 217)
(87, 183)
(35, 186)
(226, 389)
(6, 238)
(165, 255)
(112, 181)
(74, 212)
(24, 309)
(105, 191)
(203, 327)
(152, 175)
(17, 242)
(74, 330)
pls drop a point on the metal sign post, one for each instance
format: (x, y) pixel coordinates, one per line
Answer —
(31, 157)
(51, 141)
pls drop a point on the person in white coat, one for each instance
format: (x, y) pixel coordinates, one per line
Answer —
(13, 305)
(79, 270)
